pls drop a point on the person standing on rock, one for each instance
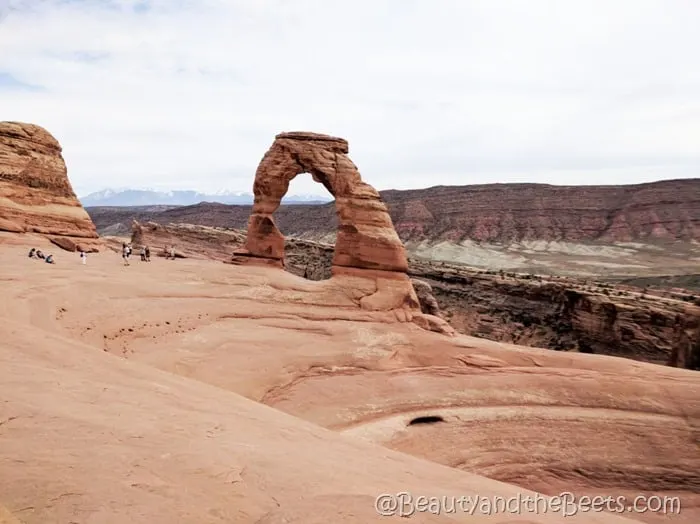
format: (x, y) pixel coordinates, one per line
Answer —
(83, 257)
(125, 254)
(148, 254)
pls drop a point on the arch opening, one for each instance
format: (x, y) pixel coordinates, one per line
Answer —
(309, 228)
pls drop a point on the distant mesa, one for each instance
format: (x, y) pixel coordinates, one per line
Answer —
(367, 246)
(35, 193)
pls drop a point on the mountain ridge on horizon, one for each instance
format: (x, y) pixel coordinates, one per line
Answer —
(129, 197)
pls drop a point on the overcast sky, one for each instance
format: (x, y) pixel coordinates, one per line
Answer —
(188, 94)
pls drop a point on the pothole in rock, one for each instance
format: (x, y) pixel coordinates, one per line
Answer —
(428, 419)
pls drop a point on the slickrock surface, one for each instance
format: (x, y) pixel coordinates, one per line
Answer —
(135, 394)
(35, 193)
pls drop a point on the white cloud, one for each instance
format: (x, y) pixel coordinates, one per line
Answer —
(187, 93)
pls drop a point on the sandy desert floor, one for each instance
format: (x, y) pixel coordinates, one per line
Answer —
(193, 391)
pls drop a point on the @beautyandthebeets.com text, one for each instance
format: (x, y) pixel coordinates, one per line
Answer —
(404, 504)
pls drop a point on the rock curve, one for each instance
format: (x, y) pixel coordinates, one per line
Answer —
(35, 193)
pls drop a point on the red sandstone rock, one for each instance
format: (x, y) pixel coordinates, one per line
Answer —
(428, 303)
(35, 193)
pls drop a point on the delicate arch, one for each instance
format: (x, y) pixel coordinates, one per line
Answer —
(366, 236)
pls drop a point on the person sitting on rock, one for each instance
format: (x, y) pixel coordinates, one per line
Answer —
(49, 259)
(32, 252)
(39, 254)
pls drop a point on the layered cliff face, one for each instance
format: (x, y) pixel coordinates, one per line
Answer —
(505, 213)
(35, 193)
(559, 313)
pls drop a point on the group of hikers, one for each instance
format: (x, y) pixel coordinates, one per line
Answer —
(126, 254)
(145, 253)
(36, 253)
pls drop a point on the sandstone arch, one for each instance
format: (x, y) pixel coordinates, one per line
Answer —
(369, 262)
(366, 236)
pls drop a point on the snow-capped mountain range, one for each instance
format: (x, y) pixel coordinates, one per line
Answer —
(150, 197)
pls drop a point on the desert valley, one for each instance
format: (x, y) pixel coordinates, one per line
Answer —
(481, 342)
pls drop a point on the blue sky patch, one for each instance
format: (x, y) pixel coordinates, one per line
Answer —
(10, 83)
(142, 7)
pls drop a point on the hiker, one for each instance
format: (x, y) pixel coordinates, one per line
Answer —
(39, 254)
(83, 257)
(49, 259)
(125, 254)
(143, 254)
(31, 252)
(148, 254)
(172, 252)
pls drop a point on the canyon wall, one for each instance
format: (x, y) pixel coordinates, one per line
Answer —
(561, 313)
(504, 213)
